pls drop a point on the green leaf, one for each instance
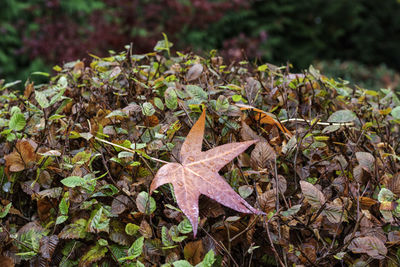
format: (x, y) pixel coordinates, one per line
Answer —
(42, 99)
(208, 260)
(185, 227)
(158, 103)
(342, 116)
(182, 263)
(73, 181)
(74, 230)
(17, 122)
(171, 99)
(100, 220)
(166, 239)
(148, 109)
(137, 247)
(103, 242)
(385, 195)
(396, 113)
(95, 254)
(63, 206)
(291, 211)
(143, 201)
(117, 113)
(131, 229)
(61, 219)
(196, 92)
(4, 211)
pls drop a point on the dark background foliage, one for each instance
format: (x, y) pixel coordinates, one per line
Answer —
(41, 33)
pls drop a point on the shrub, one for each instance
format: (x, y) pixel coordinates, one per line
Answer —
(79, 153)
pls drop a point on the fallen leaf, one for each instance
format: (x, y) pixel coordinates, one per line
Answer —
(312, 194)
(264, 118)
(262, 154)
(22, 157)
(194, 252)
(366, 160)
(194, 72)
(371, 245)
(198, 174)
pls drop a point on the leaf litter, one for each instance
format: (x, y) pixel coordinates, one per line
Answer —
(178, 160)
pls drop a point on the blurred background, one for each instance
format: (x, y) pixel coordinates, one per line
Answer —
(357, 40)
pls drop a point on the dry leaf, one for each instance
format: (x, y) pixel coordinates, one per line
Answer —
(194, 72)
(264, 118)
(22, 157)
(366, 160)
(315, 197)
(371, 245)
(6, 261)
(198, 174)
(194, 252)
(262, 154)
(119, 204)
(394, 185)
(47, 246)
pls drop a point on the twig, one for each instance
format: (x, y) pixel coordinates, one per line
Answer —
(129, 150)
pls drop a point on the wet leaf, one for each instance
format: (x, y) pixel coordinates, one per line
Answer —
(198, 174)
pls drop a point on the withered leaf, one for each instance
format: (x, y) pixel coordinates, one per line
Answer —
(194, 252)
(371, 245)
(6, 261)
(262, 154)
(315, 197)
(47, 246)
(198, 174)
(194, 72)
(22, 157)
(264, 118)
(366, 160)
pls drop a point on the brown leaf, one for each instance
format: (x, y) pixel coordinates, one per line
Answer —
(119, 204)
(248, 134)
(194, 252)
(194, 72)
(47, 246)
(262, 154)
(394, 185)
(315, 197)
(371, 245)
(198, 174)
(267, 200)
(6, 261)
(145, 229)
(22, 157)
(366, 160)
(264, 118)
(28, 90)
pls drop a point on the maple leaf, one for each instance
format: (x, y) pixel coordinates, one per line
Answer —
(198, 174)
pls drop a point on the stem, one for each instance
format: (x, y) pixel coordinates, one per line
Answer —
(129, 150)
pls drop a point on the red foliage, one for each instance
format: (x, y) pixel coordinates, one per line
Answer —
(61, 37)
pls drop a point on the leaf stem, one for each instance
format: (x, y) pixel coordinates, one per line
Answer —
(129, 150)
